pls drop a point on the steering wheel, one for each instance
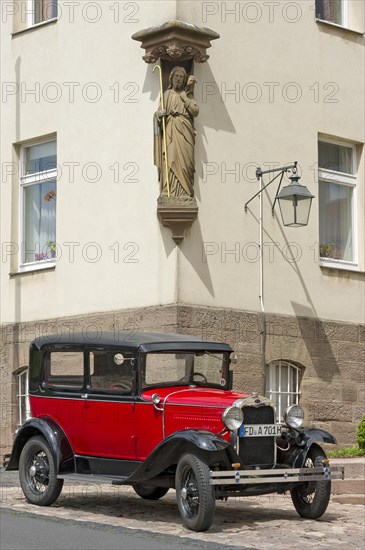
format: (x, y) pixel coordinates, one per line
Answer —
(200, 374)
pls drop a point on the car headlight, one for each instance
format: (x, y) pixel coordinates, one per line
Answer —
(294, 416)
(232, 418)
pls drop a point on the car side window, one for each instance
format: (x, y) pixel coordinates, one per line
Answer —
(112, 371)
(64, 369)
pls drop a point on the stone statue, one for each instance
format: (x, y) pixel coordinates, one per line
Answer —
(179, 111)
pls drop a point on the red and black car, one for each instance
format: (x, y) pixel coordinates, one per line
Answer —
(157, 411)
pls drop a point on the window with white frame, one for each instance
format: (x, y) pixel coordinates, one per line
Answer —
(282, 385)
(23, 397)
(42, 10)
(337, 202)
(333, 11)
(38, 183)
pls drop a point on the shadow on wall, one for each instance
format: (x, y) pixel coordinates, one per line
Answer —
(209, 99)
(213, 114)
(322, 352)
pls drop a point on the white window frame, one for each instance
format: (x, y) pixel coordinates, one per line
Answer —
(31, 11)
(344, 16)
(26, 181)
(23, 415)
(271, 392)
(349, 180)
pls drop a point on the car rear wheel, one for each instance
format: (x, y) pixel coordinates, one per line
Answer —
(194, 493)
(311, 499)
(150, 493)
(37, 473)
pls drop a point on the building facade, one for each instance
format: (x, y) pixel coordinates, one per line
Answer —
(82, 246)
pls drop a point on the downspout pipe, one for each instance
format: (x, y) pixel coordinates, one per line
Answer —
(261, 289)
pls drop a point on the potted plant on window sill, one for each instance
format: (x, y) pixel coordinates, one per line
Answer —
(40, 256)
(329, 250)
(51, 248)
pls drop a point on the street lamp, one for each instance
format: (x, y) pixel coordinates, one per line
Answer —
(295, 200)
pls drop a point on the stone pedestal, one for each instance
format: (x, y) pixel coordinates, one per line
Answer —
(178, 214)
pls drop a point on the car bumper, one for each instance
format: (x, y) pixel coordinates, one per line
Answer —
(290, 475)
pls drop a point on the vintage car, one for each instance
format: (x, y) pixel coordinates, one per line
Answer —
(157, 411)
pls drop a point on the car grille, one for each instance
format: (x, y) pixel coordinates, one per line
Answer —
(257, 451)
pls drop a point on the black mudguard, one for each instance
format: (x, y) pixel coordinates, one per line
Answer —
(55, 437)
(171, 449)
(311, 436)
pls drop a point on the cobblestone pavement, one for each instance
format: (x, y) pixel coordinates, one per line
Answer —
(265, 522)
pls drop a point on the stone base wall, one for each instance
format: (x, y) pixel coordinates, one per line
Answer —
(331, 356)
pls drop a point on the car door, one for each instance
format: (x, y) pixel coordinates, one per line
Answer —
(90, 394)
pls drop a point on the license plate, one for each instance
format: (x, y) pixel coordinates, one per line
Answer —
(260, 430)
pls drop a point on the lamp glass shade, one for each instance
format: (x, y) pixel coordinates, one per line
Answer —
(295, 202)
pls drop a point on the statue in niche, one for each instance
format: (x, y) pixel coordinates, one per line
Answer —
(179, 110)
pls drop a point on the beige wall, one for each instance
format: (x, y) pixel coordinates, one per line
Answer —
(235, 133)
(232, 132)
(113, 132)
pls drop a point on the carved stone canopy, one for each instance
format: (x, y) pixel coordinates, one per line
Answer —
(175, 41)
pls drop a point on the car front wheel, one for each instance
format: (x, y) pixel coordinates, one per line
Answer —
(194, 493)
(311, 499)
(37, 473)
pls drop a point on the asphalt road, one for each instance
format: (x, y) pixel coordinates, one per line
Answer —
(19, 530)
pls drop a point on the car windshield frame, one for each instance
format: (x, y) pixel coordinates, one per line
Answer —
(222, 355)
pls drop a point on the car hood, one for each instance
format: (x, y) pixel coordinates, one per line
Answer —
(195, 395)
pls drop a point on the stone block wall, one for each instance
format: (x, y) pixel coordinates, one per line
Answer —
(330, 354)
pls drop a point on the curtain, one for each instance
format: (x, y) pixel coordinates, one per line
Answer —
(49, 9)
(39, 158)
(335, 157)
(335, 221)
(39, 220)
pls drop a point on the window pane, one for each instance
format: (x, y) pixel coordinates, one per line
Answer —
(112, 370)
(335, 157)
(22, 384)
(44, 10)
(39, 220)
(65, 369)
(39, 158)
(49, 9)
(329, 10)
(284, 378)
(23, 398)
(335, 222)
(185, 368)
(281, 386)
(293, 377)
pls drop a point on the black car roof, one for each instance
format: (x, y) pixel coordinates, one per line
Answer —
(139, 341)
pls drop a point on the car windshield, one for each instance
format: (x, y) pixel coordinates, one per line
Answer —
(199, 368)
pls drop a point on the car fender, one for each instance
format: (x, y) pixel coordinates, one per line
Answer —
(56, 439)
(311, 438)
(170, 450)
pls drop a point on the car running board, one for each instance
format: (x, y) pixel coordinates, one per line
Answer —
(92, 478)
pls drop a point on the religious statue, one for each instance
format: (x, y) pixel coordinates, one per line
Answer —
(174, 135)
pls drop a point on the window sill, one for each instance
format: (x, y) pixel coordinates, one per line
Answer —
(36, 26)
(31, 269)
(346, 29)
(339, 264)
